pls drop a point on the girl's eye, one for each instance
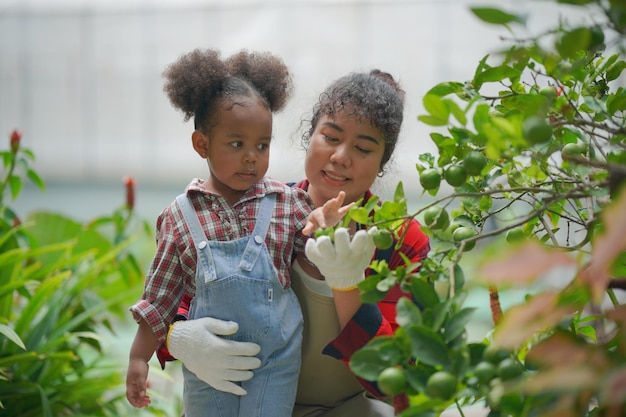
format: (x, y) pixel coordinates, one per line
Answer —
(263, 146)
(237, 144)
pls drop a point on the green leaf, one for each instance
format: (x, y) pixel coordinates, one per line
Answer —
(486, 202)
(616, 102)
(360, 215)
(436, 106)
(398, 195)
(615, 70)
(456, 324)
(588, 331)
(15, 183)
(36, 179)
(457, 112)
(496, 16)
(423, 292)
(427, 346)
(407, 312)
(367, 363)
(11, 335)
(25, 357)
(496, 74)
(570, 43)
(446, 88)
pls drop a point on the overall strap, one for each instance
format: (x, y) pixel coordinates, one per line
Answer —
(205, 260)
(257, 239)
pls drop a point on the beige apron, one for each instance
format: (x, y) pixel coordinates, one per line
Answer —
(325, 383)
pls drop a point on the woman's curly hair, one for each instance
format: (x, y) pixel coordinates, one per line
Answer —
(374, 97)
(200, 79)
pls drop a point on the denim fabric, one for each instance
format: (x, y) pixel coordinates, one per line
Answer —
(236, 280)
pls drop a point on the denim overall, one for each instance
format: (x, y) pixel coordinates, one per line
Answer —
(237, 280)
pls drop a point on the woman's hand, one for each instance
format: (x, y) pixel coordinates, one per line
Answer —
(328, 215)
(342, 262)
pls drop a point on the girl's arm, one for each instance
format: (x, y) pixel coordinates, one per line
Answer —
(137, 376)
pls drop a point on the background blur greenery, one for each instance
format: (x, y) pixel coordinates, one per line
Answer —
(65, 288)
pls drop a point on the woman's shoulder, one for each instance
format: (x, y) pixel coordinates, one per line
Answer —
(287, 190)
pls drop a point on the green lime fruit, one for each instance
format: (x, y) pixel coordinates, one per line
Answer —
(441, 385)
(573, 149)
(474, 162)
(515, 235)
(548, 92)
(509, 369)
(495, 355)
(391, 381)
(462, 233)
(461, 220)
(455, 175)
(436, 218)
(485, 371)
(536, 130)
(383, 239)
(430, 178)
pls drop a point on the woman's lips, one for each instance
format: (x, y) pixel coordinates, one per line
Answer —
(334, 177)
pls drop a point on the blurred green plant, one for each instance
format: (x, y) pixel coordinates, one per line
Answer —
(61, 285)
(530, 168)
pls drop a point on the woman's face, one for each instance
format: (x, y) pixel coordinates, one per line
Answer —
(344, 155)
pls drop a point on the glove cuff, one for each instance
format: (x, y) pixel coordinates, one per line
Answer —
(344, 283)
(354, 287)
(171, 340)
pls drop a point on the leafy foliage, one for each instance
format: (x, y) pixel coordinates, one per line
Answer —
(62, 283)
(532, 147)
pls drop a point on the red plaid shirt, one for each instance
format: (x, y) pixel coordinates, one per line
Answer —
(172, 272)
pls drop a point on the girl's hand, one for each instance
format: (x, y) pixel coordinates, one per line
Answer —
(328, 215)
(136, 383)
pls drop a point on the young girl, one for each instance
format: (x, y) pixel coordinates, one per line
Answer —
(229, 240)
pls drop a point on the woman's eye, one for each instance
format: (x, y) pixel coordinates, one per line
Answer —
(363, 150)
(330, 138)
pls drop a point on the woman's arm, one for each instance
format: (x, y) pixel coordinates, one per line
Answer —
(360, 323)
(347, 303)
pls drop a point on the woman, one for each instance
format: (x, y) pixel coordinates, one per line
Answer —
(353, 133)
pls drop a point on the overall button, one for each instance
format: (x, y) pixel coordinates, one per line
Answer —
(202, 245)
(258, 239)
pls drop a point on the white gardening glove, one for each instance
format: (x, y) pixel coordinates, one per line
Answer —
(342, 263)
(213, 359)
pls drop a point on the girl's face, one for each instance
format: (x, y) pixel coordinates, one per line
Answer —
(344, 155)
(237, 147)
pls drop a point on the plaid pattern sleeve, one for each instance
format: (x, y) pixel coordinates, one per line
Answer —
(170, 276)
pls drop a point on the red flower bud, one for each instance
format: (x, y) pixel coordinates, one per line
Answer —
(16, 221)
(16, 136)
(129, 182)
